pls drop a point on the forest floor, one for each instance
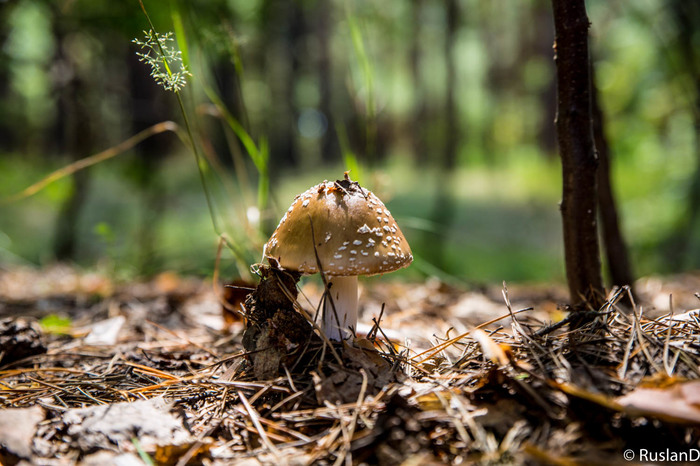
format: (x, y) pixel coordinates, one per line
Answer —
(94, 372)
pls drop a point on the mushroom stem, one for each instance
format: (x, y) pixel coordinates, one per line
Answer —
(343, 292)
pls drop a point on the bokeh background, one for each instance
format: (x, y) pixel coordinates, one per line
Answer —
(444, 109)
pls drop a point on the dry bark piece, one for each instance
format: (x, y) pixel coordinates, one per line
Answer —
(17, 429)
(341, 230)
(275, 329)
(107, 426)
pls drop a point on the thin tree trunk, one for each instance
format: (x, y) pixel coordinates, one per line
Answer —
(419, 112)
(330, 151)
(576, 149)
(443, 210)
(451, 136)
(679, 244)
(76, 137)
(613, 241)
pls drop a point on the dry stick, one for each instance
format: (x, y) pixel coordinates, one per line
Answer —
(667, 367)
(13, 372)
(222, 404)
(373, 331)
(150, 370)
(92, 160)
(289, 378)
(353, 423)
(279, 427)
(254, 417)
(185, 339)
(249, 385)
(641, 337)
(458, 423)
(253, 430)
(436, 349)
(258, 394)
(291, 397)
(99, 402)
(622, 372)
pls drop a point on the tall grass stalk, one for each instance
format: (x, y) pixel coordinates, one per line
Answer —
(349, 157)
(238, 252)
(259, 154)
(368, 75)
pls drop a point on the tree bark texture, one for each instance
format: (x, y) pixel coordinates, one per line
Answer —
(616, 253)
(576, 149)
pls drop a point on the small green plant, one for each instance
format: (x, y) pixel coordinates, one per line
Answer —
(56, 324)
(165, 60)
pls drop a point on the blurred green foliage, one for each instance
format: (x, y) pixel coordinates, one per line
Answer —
(285, 94)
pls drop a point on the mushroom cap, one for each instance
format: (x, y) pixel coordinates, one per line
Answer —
(355, 233)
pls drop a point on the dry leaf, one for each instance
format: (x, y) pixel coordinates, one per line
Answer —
(105, 332)
(491, 350)
(679, 403)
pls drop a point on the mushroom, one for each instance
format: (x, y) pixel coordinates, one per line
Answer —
(341, 230)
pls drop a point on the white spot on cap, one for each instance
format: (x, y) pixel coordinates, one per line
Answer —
(376, 253)
(379, 219)
(305, 203)
(363, 229)
(386, 220)
(353, 251)
(357, 242)
(342, 248)
(328, 236)
(386, 228)
(379, 210)
(338, 256)
(364, 253)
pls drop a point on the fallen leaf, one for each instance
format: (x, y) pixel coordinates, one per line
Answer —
(491, 350)
(679, 403)
(105, 332)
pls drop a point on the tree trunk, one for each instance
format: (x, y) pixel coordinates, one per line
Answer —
(330, 151)
(576, 149)
(75, 135)
(613, 241)
(419, 111)
(678, 247)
